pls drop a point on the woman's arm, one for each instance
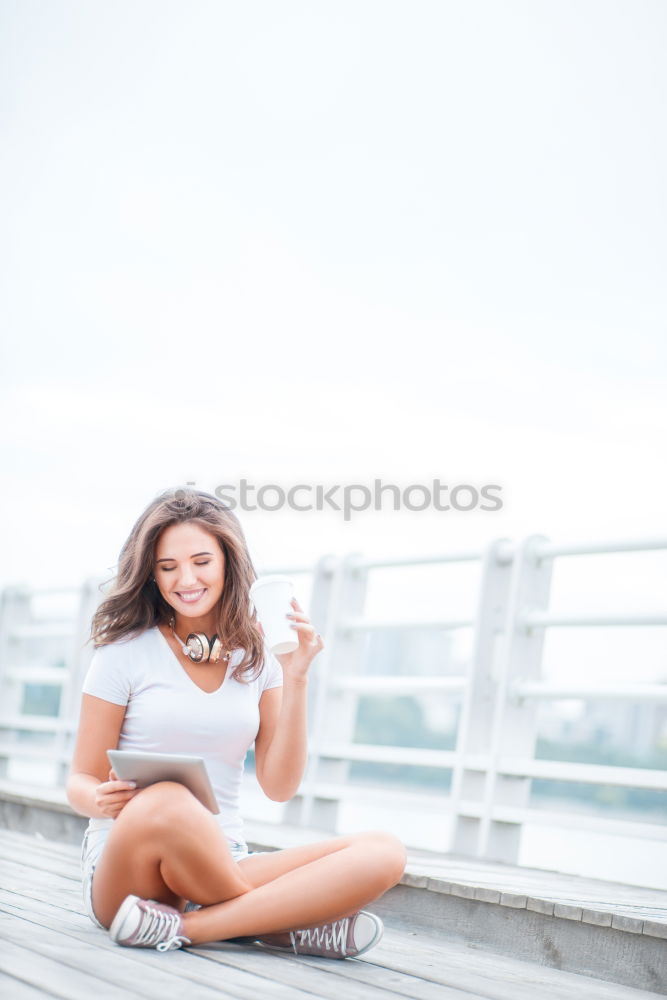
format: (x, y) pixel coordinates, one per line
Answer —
(281, 746)
(88, 791)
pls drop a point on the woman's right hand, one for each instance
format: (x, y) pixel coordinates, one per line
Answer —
(113, 795)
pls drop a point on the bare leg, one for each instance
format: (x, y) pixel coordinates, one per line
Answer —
(323, 890)
(166, 846)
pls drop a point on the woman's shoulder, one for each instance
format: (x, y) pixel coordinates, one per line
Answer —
(125, 647)
(270, 674)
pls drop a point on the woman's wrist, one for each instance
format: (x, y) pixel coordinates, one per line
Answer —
(295, 681)
(80, 791)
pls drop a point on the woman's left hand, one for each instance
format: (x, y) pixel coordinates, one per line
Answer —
(296, 664)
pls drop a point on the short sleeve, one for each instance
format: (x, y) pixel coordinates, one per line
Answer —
(107, 676)
(272, 672)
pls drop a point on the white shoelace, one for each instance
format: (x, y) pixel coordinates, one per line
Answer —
(173, 942)
(155, 925)
(333, 936)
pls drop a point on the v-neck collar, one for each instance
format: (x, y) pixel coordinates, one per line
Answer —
(185, 674)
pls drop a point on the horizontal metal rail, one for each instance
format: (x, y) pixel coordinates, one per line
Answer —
(453, 557)
(592, 774)
(43, 591)
(35, 752)
(374, 795)
(377, 754)
(589, 692)
(296, 569)
(519, 767)
(43, 630)
(392, 684)
(29, 674)
(397, 799)
(372, 625)
(595, 823)
(529, 619)
(549, 550)
(38, 723)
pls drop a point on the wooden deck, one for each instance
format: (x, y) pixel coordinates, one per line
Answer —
(50, 948)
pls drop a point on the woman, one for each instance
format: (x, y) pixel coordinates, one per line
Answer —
(160, 870)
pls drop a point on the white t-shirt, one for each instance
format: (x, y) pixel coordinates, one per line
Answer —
(168, 713)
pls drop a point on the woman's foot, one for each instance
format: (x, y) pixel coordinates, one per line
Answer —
(344, 938)
(144, 923)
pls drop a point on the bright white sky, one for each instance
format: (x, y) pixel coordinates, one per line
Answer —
(329, 242)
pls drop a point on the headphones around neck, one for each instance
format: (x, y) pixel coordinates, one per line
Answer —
(198, 647)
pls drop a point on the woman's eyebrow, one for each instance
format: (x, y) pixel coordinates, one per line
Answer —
(171, 558)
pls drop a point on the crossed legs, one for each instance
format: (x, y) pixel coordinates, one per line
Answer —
(165, 845)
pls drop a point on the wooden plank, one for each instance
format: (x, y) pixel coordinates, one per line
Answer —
(36, 847)
(37, 885)
(414, 984)
(322, 976)
(187, 970)
(56, 847)
(37, 862)
(17, 989)
(497, 977)
(49, 974)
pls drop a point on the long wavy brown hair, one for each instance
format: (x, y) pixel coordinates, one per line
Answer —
(134, 602)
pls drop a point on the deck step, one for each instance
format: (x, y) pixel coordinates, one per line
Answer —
(605, 930)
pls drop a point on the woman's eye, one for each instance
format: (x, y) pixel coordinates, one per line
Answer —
(168, 569)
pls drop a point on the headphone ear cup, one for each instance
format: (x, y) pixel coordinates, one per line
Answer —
(216, 649)
(198, 644)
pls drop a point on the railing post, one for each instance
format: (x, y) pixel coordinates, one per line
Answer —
(478, 698)
(79, 661)
(323, 597)
(335, 711)
(514, 727)
(15, 609)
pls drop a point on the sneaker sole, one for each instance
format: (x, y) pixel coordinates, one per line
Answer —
(115, 931)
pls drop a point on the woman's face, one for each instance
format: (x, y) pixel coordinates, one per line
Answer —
(189, 569)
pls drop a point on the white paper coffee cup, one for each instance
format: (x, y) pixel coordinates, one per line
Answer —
(271, 596)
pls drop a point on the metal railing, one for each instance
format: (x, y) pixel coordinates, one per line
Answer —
(493, 762)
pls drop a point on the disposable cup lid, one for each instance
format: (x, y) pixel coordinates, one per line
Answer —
(274, 578)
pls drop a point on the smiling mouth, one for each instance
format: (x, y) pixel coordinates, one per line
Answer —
(192, 597)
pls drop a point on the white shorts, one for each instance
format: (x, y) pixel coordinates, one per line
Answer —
(91, 851)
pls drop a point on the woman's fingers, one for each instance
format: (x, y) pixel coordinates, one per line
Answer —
(304, 627)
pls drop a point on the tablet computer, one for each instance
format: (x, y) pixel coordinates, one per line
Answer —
(148, 768)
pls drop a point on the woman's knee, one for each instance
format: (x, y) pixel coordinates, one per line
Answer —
(161, 805)
(388, 852)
